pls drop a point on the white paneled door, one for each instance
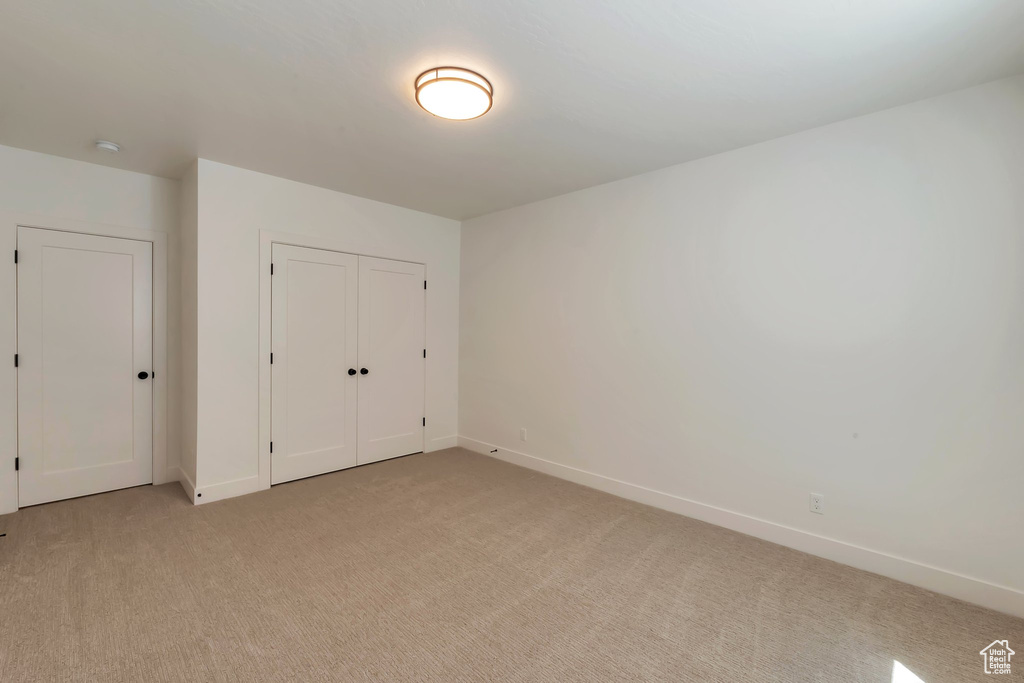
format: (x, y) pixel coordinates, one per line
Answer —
(85, 357)
(347, 361)
(391, 358)
(313, 377)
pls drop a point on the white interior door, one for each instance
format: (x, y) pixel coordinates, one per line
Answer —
(313, 330)
(391, 352)
(85, 333)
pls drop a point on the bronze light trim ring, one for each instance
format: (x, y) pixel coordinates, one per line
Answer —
(457, 74)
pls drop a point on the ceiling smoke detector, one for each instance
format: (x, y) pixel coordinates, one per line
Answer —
(107, 146)
(450, 92)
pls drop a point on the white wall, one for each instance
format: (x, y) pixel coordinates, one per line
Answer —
(45, 186)
(235, 205)
(840, 311)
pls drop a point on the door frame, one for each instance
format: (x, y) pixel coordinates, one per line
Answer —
(9, 224)
(267, 240)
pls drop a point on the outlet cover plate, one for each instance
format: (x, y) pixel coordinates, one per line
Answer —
(817, 503)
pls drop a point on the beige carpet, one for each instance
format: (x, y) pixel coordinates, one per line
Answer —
(448, 566)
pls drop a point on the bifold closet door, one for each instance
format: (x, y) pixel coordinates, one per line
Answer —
(391, 354)
(313, 317)
(85, 364)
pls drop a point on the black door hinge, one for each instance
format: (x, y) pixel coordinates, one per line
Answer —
(424, 353)
(17, 464)
(424, 284)
(15, 255)
(271, 357)
(271, 446)
(15, 360)
(271, 268)
(424, 422)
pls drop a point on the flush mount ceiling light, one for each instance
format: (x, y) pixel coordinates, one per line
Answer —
(453, 93)
(107, 146)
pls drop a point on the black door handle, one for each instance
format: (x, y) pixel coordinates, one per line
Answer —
(364, 371)
(351, 371)
(143, 375)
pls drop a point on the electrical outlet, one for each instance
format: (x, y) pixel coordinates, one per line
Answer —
(522, 434)
(817, 503)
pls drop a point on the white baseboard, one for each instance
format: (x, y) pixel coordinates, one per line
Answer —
(187, 484)
(441, 443)
(968, 589)
(228, 489)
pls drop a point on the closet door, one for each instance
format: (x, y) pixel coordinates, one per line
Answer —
(391, 358)
(85, 364)
(313, 381)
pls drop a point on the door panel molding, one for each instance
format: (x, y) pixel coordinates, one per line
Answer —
(163, 470)
(268, 238)
(313, 396)
(85, 334)
(391, 347)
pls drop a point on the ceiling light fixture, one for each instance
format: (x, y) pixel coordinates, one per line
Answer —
(108, 146)
(453, 93)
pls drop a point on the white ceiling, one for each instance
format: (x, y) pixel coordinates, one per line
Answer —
(586, 91)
